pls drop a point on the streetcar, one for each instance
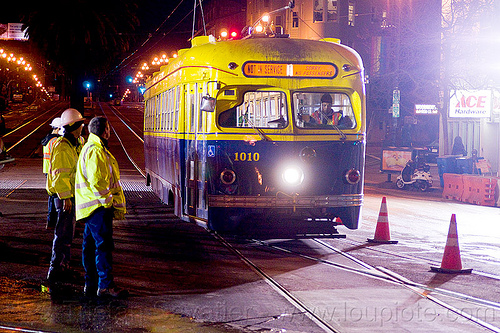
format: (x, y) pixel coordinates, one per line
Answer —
(230, 139)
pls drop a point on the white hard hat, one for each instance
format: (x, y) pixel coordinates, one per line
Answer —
(56, 122)
(70, 116)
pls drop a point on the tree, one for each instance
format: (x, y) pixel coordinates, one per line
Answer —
(81, 38)
(404, 44)
(470, 50)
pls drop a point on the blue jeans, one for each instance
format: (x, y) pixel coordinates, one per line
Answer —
(63, 237)
(52, 214)
(97, 248)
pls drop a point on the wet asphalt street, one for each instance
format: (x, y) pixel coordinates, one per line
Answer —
(175, 272)
(181, 279)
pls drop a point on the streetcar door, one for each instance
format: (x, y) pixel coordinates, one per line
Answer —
(201, 148)
(191, 155)
(195, 195)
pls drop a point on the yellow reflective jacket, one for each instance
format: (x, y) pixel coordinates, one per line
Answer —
(98, 180)
(47, 151)
(62, 167)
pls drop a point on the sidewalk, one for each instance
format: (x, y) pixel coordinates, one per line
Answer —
(377, 181)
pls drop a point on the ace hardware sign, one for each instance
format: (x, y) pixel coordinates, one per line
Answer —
(470, 103)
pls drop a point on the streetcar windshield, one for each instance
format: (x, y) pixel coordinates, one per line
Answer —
(323, 110)
(259, 109)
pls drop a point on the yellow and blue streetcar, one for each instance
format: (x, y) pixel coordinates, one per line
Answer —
(256, 130)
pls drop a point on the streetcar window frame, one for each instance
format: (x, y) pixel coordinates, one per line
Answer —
(314, 104)
(259, 109)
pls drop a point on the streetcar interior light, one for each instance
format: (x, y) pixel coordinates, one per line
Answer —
(293, 175)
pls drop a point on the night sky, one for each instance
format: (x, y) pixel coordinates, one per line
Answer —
(173, 33)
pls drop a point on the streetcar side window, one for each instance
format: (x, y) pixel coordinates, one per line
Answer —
(263, 109)
(164, 111)
(158, 113)
(323, 110)
(177, 107)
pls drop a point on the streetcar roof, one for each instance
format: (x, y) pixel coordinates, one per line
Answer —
(221, 55)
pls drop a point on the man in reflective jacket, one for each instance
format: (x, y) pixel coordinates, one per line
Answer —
(48, 144)
(61, 182)
(99, 199)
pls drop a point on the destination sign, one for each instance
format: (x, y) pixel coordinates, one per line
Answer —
(266, 69)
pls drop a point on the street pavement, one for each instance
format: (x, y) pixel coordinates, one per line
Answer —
(180, 278)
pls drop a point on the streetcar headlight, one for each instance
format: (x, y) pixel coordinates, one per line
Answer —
(227, 177)
(293, 175)
(307, 154)
(353, 176)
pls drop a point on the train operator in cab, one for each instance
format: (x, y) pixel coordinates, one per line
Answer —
(325, 115)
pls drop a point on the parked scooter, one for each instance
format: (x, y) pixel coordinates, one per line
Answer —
(416, 175)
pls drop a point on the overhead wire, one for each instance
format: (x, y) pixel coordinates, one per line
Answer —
(119, 66)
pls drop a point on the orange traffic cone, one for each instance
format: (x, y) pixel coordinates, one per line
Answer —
(451, 263)
(382, 234)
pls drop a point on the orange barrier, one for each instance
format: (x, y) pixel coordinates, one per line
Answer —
(480, 190)
(452, 262)
(471, 189)
(453, 186)
(490, 185)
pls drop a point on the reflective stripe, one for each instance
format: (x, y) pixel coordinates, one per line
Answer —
(84, 159)
(60, 170)
(81, 185)
(102, 192)
(94, 202)
(66, 194)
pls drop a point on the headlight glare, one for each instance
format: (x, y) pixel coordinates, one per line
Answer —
(293, 175)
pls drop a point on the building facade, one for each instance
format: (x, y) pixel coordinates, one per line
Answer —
(399, 42)
(470, 78)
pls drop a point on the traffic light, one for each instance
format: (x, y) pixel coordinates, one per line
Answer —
(87, 85)
(129, 79)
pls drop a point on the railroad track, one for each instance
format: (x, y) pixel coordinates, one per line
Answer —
(431, 294)
(31, 127)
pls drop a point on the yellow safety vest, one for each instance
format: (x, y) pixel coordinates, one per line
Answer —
(62, 168)
(47, 151)
(98, 180)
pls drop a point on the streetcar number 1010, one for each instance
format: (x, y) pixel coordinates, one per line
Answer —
(246, 157)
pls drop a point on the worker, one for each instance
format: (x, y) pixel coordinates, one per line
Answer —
(47, 144)
(61, 182)
(99, 200)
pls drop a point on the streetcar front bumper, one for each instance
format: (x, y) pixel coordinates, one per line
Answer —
(285, 201)
(229, 210)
